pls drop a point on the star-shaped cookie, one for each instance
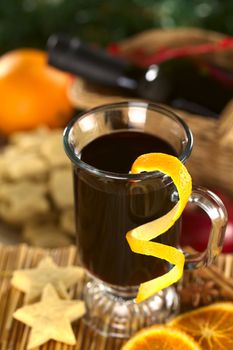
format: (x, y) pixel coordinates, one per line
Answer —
(32, 281)
(50, 318)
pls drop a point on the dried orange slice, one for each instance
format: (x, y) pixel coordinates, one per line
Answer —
(139, 239)
(161, 338)
(210, 326)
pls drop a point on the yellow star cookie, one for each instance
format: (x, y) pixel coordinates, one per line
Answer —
(50, 318)
(32, 281)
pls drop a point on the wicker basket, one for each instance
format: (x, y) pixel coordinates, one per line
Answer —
(211, 162)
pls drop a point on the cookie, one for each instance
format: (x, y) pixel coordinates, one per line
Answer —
(32, 281)
(52, 150)
(60, 188)
(30, 141)
(36, 185)
(45, 234)
(20, 202)
(67, 221)
(23, 165)
(50, 318)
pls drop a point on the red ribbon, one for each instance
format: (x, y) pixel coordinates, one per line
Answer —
(141, 58)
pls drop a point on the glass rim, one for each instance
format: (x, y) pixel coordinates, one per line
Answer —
(121, 176)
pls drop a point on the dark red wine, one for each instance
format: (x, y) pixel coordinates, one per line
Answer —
(107, 208)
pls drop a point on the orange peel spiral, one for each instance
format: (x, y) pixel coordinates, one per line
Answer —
(139, 238)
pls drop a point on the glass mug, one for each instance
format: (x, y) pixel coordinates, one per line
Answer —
(109, 201)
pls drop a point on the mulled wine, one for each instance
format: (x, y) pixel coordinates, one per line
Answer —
(107, 209)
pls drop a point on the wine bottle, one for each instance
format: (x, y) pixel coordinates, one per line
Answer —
(184, 83)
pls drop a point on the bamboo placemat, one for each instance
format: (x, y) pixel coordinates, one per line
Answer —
(14, 335)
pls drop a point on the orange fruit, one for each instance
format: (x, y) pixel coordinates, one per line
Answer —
(32, 93)
(161, 338)
(210, 326)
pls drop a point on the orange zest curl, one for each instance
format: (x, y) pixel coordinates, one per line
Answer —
(139, 239)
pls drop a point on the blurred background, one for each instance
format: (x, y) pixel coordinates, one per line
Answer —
(28, 23)
(37, 101)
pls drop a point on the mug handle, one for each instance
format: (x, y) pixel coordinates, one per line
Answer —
(215, 209)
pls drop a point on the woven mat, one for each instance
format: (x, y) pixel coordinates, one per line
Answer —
(14, 335)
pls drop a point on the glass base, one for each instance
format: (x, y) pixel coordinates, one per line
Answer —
(113, 312)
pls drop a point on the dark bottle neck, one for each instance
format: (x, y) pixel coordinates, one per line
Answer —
(101, 68)
(88, 62)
